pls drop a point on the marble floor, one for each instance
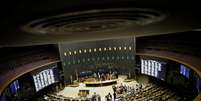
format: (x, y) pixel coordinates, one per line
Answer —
(102, 91)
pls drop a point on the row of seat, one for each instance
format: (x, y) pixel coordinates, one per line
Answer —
(54, 97)
(153, 92)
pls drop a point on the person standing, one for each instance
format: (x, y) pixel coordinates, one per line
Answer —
(94, 97)
(114, 88)
(99, 76)
(109, 97)
(114, 95)
(106, 98)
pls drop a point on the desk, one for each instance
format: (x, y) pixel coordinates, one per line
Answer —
(100, 83)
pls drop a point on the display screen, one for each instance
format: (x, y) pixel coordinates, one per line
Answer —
(3, 98)
(44, 78)
(198, 84)
(14, 86)
(184, 71)
(153, 68)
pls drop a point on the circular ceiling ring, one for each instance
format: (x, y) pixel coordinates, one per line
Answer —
(93, 20)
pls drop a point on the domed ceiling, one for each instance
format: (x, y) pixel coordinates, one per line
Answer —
(94, 20)
(30, 22)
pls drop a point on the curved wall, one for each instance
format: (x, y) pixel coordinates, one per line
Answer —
(72, 54)
(16, 73)
(181, 47)
(190, 61)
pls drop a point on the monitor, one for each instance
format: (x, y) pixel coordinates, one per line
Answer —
(44, 78)
(14, 87)
(184, 71)
(153, 68)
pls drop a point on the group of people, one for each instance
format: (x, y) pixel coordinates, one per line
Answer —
(98, 76)
(96, 97)
(121, 89)
(105, 76)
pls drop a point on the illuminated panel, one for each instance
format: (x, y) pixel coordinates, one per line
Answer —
(184, 71)
(14, 86)
(198, 84)
(142, 69)
(3, 98)
(43, 79)
(153, 68)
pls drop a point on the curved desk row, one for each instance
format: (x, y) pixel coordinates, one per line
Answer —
(100, 83)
